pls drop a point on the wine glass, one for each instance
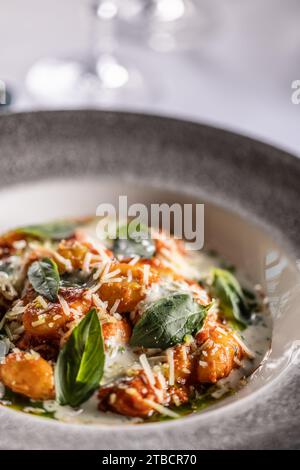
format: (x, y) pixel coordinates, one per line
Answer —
(99, 77)
(167, 25)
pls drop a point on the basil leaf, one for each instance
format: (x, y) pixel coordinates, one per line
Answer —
(167, 321)
(129, 248)
(233, 302)
(53, 231)
(80, 363)
(130, 244)
(44, 277)
(77, 279)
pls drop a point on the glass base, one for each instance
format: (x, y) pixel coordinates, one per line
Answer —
(72, 83)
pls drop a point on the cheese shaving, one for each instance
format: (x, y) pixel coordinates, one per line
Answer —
(39, 299)
(161, 409)
(65, 262)
(170, 356)
(221, 330)
(98, 302)
(38, 322)
(147, 369)
(134, 260)
(146, 273)
(203, 363)
(162, 380)
(115, 307)
(112, 274)
(64, 305)
(86, 262)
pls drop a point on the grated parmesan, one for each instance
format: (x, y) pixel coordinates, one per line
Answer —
(208, 343)
(146, 273)
(134, 260)
(112, 274)
(115, 306)
(162, 380)
(86, 262)
(98, 271)
(161, 409)
(98, 302)
(99, 248)
(147, 369)
(221, 330)
(65, 262)
(40, 321)
(39, 299)
(64, 305)
(170, 356)
(114, 279)
(203, 363)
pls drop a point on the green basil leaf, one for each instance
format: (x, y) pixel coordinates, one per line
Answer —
(44, 277)
(80, 363)
(130, 244)
(167, 321)
(77, 279)
(233, 302)
(53, 231)
(130, 248)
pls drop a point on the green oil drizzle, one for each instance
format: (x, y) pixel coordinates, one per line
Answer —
(195, 405)
(18, 402)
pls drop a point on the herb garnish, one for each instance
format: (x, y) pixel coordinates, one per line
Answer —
(168, 320)
(52, 231)
(77, 278)
(134, 241)
(44, 277)
(233, 302)
(80, 363)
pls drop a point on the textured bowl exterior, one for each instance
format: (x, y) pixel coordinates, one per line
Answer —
(251, 178)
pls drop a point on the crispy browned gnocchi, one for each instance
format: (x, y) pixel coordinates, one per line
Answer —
(49, 321)
(130, 289)
(118, 331)
(183, 363)
(218, 356)
(131, 397)
(29, 375)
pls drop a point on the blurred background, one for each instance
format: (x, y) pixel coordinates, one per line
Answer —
(229, 63)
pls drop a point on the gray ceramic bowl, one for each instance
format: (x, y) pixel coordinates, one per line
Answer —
(65, 163)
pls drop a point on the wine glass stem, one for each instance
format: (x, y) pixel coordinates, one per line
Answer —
(102, 36)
